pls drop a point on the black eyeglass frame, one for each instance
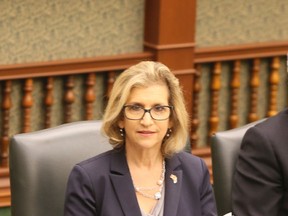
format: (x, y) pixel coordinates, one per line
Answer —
(149, 111)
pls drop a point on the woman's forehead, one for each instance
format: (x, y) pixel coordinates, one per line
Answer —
(156, 94)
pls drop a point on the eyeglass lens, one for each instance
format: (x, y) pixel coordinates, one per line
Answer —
(136, 112)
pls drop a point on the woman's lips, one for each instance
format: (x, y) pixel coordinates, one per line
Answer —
(146, 133)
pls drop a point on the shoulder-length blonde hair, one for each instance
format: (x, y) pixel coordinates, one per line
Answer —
(144, 74)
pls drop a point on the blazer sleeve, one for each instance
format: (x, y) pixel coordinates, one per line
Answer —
(79, 199)
(257, 186)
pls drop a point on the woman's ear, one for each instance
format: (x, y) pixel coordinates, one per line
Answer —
(170, 125)
(121, 124)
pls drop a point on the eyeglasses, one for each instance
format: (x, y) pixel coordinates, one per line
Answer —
(136, 112)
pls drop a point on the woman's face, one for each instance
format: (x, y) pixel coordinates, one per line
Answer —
(146, 133)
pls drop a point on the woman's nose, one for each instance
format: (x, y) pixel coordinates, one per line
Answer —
(147, 119)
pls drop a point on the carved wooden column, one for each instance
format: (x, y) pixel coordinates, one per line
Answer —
(273, 87)
(6, 106)
(27, 103)
(90, 95)
(235, 85)
(215, 88)
(169, 34)
(69, 99)
(254, 85)
(48, 101)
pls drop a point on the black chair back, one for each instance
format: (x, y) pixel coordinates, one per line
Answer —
(41, 161)
(225, 147)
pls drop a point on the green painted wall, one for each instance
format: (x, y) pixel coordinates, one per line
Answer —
(223, 22)
(45, 30)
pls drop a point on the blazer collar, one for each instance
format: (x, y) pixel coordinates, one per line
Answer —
(123, 185)
(173, 184)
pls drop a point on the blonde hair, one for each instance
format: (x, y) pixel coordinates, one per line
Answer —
(144, 74)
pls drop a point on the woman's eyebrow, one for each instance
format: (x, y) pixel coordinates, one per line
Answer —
(135, 104)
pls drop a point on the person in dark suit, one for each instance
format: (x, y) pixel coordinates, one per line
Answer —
(261, 179)
(147, 172)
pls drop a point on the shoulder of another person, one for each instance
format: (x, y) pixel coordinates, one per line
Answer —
(272, 124)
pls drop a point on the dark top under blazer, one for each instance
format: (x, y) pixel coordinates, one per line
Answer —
(102, 186)
(261, 178)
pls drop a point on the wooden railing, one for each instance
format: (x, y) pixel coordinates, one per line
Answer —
(262, 59)
(42, 95)
(46, 74)
(246, 100)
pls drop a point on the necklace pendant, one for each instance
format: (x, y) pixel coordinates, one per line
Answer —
(157, 195)
(160, 182)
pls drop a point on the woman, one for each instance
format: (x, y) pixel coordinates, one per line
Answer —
(146, 173)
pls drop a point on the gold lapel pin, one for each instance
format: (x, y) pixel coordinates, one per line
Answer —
(174, 178)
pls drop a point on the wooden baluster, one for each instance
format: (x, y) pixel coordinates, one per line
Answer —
(111, 80)
(235, 85)
(49, 101)
(274, 82)
(90, 95)
(27, 103)
(6, 106)
(254, 85)
(215, 88)
(195, 120)
(69, 99)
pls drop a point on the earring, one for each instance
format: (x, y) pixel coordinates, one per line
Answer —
(121, 130)
(169, 131)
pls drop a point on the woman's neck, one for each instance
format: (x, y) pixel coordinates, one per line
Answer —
(143, 158)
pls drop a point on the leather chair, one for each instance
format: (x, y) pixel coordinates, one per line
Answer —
(41, 161)
(225, 147)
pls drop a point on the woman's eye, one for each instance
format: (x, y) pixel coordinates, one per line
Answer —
(135, 108)
(159, 108)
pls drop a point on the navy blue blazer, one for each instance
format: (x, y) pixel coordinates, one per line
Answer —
(102, 185)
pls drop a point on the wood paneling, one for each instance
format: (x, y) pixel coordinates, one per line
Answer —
(242, 51)
(72, 66)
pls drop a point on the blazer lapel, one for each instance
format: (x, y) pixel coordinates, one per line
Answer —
(123, 185)
(173, 183)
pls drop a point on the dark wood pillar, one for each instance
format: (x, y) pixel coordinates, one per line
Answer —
(169, 34)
